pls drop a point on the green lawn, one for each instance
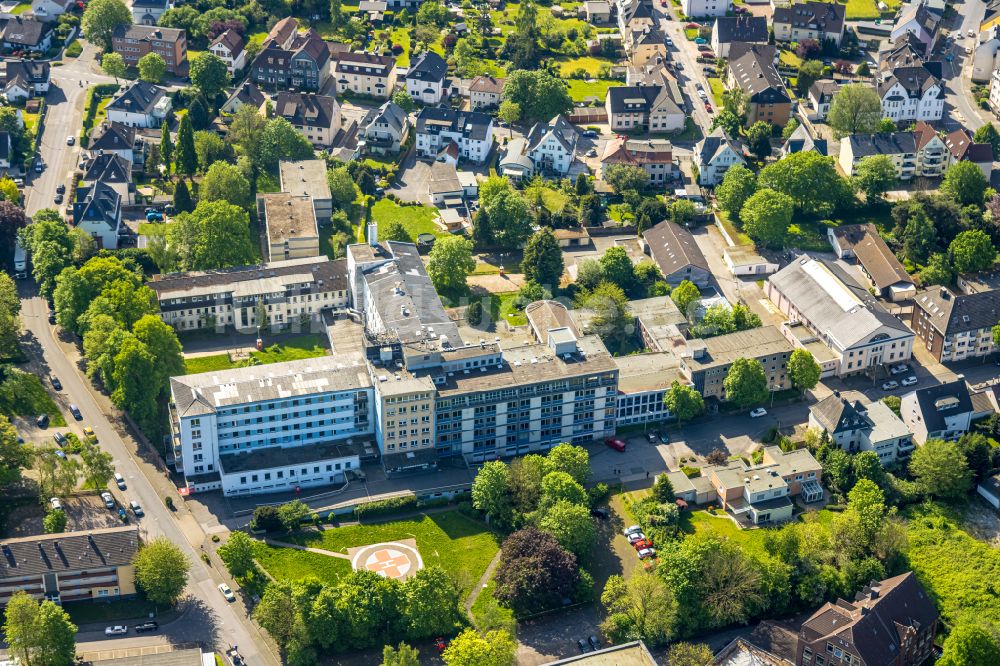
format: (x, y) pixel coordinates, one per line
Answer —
(863, 10)
(702, 522)
(257, 37)
(416, 219)
(288, 564)
(580, 89)
(569, 65)
(488, 615)
(21, 8)
(807, 235)
(460, 545)
(735, 234)
(101, 113)
(717, 89)
(789, 59)
(22, 394)
(152, 229)
(293, 349)
(691, 33)
(401, 36)
(30, 120)
(508, 312)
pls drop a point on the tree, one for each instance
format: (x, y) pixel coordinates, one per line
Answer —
(470, 648)
(988, 134)
(692, 654)
(450, 262)
(617, 268)
(238, 554)
(276, 612)
(166, 146)
(766, 216)
(745, 383)
(809, 73)
(98, 465)
(215, 235)
(14, 456)
(225, 182)
(246, 130)
(640, 608)
(919, 237)
(54, 521)
(685, 295)
(810, 179)
(39, 633)
(182, 198)
(589, 274)
(403, 655)
(856, 109)
(803, 370)
(152, 67)
(759, 139)
(558, 485)
(540, 95)
(683, 402)
(430, 603)
(970, 645)
(161, 571)
(113, 64)
(940, 469)
(277, 141)
(100, 20)
(55, 475)
(343, 189)
(738, 185)
(187, 157)
(12, 219)
(682, 212)
(612, 318)
(543, 260)
(972, 251)
(874, 176)
(491, 491)
(939, 270)
(395, 231)
(885, 125)
(210, 149)
(509, 112)
(509, 220)
(402, 99)
(266, 518)
(626, 178)
(663, 490)
(965, 183)
(571, 525)
(209, 75)
(535, 572)
(291, 514)
(789, 129)
(573, 460)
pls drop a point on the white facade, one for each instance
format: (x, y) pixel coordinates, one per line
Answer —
(234, 62)
(899, 106)
(152, 120)
(430, 144)
(714, 160)
(995, 91)
(703, 8)
(46, 10)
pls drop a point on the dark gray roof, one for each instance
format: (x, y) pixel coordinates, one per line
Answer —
(429, 66)
(673, 248)
(306, 109)
(822, 16)
(147, 33)
(741, 28)
(112, 136)
(248, 93)
(634, 99)
(755, 73)
(68, 552)
(333, 275)
(836, 415)
(151, 4)
(354, 63)
(32, 71)
(883, 143)
(916, 80)
(917, 11)
(800, 140)
(951, 313)
(392, 114)
(272, 456)
(108, 168)
(98, 203)
(558, 127)
(139, 97)
(5, 146)
(470, 124)
(937, 402)
(24, 31)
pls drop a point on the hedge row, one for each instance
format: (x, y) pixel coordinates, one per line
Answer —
(381, 507)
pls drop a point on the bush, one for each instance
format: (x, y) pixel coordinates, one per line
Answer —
(691, 472)
(74, 50)
(266, 518)
(215, 538)
(382, 507)
(430, 503)
(169, 502)
(598, 494)
(73, 444)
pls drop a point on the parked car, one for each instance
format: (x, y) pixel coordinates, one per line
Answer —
(109, 501)
(58, 199)
(55, 503)
(70, 140)
(757, 413)
(88, 432)
(75, 411)
(631, 530)
(642, 544)
(909, 381)
(635, 536)
(668, 41)
(615, 443)
(592, 152)
(651, 436)
(583, 645)
(117, 630)
(52, 318)
(664, 437)
(646, 552)
(890, 386)
(42, 421)
(590, 134)
(146, 626)
(708, 108)
(56, 384)
(136, 509)
(899, 369)
(700, 40)
(227, 592)
(120, 481)
(595, 642)
(61, 453)
(600, 512)
(703, 94)
(60, 439)
(61, 188)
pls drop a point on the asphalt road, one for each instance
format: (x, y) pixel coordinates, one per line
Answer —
(684, 51)
(958, 72)
(209, 618)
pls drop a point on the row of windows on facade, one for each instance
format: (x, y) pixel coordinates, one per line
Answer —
(391, 422)
(291, 473)
(411, 444)
(325, 295)
(554, 391)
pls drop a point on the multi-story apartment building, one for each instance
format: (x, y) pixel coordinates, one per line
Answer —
(709, 360)
(134, 41)
(840, 313)
(307, 178)
(945, 411)
(385, 131)
(365, 74)
(651, 108)
(654, 156)
(291, 58)
(856, 427)
(272, 428)
(485, 92)
(289, 291)
(316, 117)
(953, 326)
(821, 21)
(911, 93)
(229, 48)
(714, 154)
(548, 149)
(913, 154)
(706, 8)
(426, 80)
(92, 565)
(751, 68)
(140, 104)
(290, 225)
(465, 134)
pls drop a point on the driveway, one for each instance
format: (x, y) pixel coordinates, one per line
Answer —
(412, 179)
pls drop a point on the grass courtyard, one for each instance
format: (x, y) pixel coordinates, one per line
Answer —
(415, 219)
(460, 545)
(580, 89)
(292, 349)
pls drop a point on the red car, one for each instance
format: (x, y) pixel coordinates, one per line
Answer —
(642, 543)
(616, 444)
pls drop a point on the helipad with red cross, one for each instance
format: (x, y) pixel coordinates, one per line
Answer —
(396, 559)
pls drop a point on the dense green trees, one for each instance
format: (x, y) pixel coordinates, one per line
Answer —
(101, 18)
(639, 608)
(738, 185)
(856, 109)
(470, 648)
(685, 296)
(152, 68)
(970, 645)
(940, 469)
(216, 234)
(746, 383)
(766, 216)
(535, 573)
(803, 370)
(539, 95)
(209, 75)
(39, 633)
(810, 179)
(504, 218)
(225, 182)
(965, 183)
(450, 263)
(683, 402)
(972, 251)
(874, 176)
(543, 261)
(161, 571)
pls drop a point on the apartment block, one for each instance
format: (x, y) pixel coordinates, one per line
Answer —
(855, 427)
(134, 41)
(710, 359)
(290, 225)
(953, 326)
(307, 178)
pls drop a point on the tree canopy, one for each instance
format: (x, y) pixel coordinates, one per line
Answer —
(746, 383)
(856, 109)
(766, 216)
(450, 262)
(539, 95)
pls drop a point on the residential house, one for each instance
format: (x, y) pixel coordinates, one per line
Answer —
(469, 132)
(375, 9)
(307, 178)
(762, 494)
(932, 151)
(908, 157)
(744, 28)
(139, 104)
(837, 311)
(822, 21)
(316, 117)
(290, 226)
(888, 623)
(290, 58)
(944, 411)
(744, 260)
(386, 131)
(365, 74)
(910, 94)
(51, 10)
(427, 79)
(855, 427)
(634, 15)
(86, 565)
(919, 20)
(954, 326)
(962, 148)
(645, 45)
(905, 51)
(114, 170)
(550, 148)
(228, 297)
(229, 47)
(118, 139)
(6, 150)
(485, 92)
(598, 11)
(801, 140)
(752, 69)
(148, 12)
(27, 34)
(23, 79)
(245, 93)
(821, 96)
(654, 156)
(643, 107)
(713, 156)
(706, 8)
(883, 270)
(675, 251)
(134, 41)
(98, 211)
(707, 362)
